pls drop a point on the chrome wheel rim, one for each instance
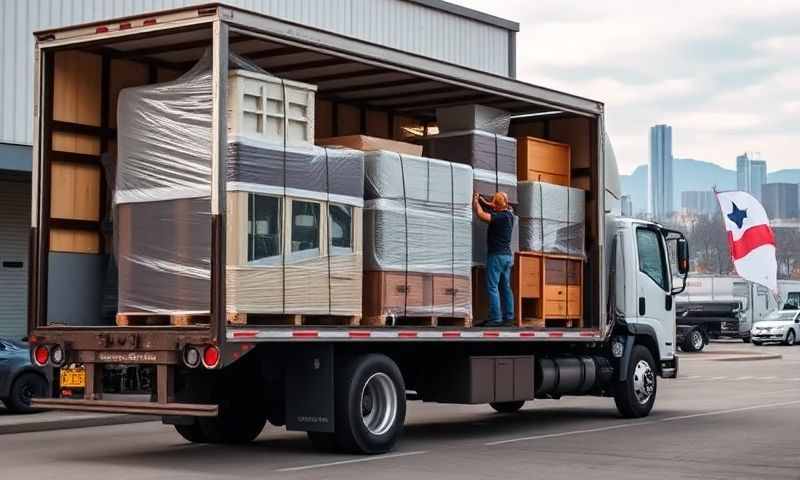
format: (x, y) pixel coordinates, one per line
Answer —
(644, 382)
(790, 338)
(697, 340)
(378, 403)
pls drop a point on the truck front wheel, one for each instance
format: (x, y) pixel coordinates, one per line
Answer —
(370, 404)
(636, 395)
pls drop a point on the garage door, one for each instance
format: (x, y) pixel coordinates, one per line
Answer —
(15, 199)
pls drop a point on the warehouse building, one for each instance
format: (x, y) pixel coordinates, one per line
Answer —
(428, 28)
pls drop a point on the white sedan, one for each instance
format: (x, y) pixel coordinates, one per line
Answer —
(782, 326)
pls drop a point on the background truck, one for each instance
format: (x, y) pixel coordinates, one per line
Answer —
(219, 381)
(714, 306)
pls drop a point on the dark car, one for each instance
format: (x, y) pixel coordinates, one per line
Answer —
(20, 380)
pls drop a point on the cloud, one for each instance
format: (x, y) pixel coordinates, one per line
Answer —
(724, 74)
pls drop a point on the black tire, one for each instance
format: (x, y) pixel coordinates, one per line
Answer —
(695, 341)
(237, 423)
(192, 433)
(746, 339)
(25, 387)
(507, 407)
(756, 343)
(355, 405)
(323, 441)
(791, 338)
(636, 395)
(242, 408)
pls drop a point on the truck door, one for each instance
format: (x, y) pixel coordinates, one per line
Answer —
(653, 286)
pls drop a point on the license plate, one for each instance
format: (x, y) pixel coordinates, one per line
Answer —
(73, 377)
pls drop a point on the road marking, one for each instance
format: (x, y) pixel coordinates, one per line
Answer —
(692, 377)
(768, 378)
(744, 378)
(354, 460)
(731, 410)
(718, 378)
(564, 434)
(646, 422)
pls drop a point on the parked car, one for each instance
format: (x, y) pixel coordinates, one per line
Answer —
(782, 326)
(20, 380)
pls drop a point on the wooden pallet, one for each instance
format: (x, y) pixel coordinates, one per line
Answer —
(145, 319)
(418, 321)
(297, 320)
(540, 323)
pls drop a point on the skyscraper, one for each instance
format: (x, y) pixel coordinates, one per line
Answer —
(781, 200)
(758, 177)
(659, 181)
(751, 174)
(626, 206)
(702, 202)
(743, 172)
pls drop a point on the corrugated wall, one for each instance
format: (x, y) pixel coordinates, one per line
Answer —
(403, 25)
(15, 198)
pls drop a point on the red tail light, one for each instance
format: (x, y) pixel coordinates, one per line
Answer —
(211, 356)
(41, 355)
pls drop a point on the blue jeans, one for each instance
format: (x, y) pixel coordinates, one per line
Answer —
(498, 287)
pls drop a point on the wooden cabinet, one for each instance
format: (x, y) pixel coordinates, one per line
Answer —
(543, 161)
(548, 290)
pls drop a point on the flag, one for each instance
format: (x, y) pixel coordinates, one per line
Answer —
(750, 238)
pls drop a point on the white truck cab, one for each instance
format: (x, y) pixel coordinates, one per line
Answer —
(644, 284)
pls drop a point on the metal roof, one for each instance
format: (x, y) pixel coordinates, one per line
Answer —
(345, 69)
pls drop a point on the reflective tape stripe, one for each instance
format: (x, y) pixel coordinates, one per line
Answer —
(389, 333)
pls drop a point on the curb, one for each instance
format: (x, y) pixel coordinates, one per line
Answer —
(78, 422)
(742, 358)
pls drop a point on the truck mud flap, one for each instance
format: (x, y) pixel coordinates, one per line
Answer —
(310, 393)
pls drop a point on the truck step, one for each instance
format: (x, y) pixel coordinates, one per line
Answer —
(418, 321)
(297, 320)
(146, 319)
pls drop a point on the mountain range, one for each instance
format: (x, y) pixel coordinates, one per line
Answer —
(690, 174)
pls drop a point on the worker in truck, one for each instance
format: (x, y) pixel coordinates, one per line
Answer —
(499, 259)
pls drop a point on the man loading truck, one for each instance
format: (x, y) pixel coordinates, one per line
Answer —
(499, 259)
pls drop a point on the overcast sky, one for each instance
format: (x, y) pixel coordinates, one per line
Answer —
(724, 74)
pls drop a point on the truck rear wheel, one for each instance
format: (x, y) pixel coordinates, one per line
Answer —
(636, 395)
(507, 407)
(370, 404)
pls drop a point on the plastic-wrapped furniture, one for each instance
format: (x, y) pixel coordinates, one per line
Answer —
(417, 240)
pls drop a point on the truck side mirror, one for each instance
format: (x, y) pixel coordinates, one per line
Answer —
(682, 251)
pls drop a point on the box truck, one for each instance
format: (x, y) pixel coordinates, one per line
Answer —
(217, 377)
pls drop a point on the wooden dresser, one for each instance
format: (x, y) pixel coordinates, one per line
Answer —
(548, 290)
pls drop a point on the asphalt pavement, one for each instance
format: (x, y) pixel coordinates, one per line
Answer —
(719, 420)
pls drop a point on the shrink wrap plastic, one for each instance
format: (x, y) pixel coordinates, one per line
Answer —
(163, 194)
(494, 162)
(322, 281)
(418, 219)
(163, 207)
(552, 218)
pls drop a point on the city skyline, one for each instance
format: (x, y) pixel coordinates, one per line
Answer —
(725, 77)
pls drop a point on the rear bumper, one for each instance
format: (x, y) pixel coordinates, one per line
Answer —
(143, 408)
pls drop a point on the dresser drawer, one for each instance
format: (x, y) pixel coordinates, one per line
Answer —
(555, 292)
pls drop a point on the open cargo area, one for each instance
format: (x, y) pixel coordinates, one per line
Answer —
(197, 179)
